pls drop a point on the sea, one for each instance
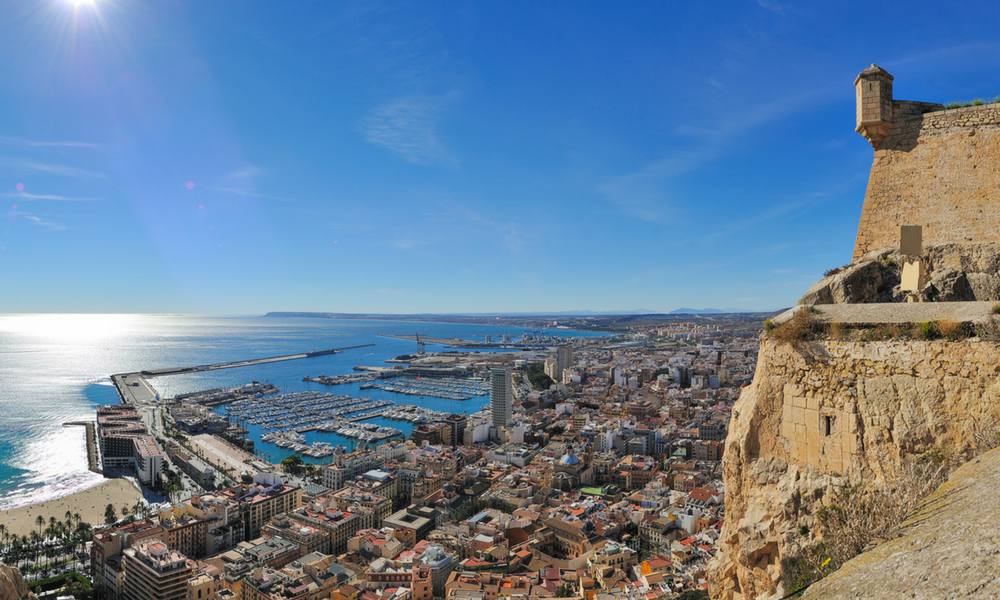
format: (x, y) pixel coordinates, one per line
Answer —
(56, 369)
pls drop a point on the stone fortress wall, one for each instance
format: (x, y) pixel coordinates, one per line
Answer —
(936, 168)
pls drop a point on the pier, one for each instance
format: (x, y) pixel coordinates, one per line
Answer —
(352, 378)
(245, 363)
(133, 388)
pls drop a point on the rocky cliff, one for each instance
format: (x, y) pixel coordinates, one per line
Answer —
(824, 413)
(12, 586)
(955, 273)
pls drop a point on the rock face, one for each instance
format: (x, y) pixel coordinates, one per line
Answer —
(820, 414)
(12, 586)
(956, 273)
(949, 548)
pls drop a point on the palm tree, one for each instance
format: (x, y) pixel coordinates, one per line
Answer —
(35, 541)
(3, 536)
(41, 521)
(83, 534)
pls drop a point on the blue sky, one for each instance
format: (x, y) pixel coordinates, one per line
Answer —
(242, 157)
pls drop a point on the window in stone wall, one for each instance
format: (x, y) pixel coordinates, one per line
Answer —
(829, 425)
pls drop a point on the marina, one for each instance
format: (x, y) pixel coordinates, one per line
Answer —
(351, 378)
(285, 417)
(449, 388)
(215, 397)
(414, 414)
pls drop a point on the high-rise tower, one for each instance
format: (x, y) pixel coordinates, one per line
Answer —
(501, 397)
(564, 360)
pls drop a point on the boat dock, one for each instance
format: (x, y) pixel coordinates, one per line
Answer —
(414, 414)
(285, 417)
(449, 388)
(215, 397)
(352, 377)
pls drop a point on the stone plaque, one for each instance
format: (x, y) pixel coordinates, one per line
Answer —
(910, 240)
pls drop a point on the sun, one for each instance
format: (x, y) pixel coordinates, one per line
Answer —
(80, 3)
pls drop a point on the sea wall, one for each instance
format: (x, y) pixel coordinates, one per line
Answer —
(825, 413)
(940, 170)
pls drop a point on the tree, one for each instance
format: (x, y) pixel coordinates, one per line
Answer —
(564, 591)
(292, 464)
(536, 375)
(40, 520)
(35, 543)
(556, 429)
(109, 514)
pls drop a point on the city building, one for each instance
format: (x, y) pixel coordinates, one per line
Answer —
(125, 442)
(262, 500)
(501, 397)
(564, 360)
(154, 571)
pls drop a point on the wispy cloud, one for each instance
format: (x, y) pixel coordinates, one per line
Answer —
(247, 192)
(408, 244)
(408, 126)
(770, 5)
(55, 169)
(38, 221)
(950, 54)
(16, 141)
(31, 197)
(248, 172)
(646, 193)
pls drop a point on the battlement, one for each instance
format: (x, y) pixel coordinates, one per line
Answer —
(936, 168)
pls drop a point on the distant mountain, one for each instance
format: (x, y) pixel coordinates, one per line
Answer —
(711, 311)
(567, 313)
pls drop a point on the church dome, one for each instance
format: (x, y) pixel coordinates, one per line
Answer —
(569, 459)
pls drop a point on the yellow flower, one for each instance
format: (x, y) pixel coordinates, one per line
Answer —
(825, 562)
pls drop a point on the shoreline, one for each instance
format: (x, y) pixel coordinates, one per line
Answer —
(93, 462)
(90, 503)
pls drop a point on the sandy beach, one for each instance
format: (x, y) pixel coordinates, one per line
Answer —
(90, 503)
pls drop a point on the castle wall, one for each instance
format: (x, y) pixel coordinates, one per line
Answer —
(940, 170)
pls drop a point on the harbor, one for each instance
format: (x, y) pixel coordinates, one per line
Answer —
(352, 377)
(285, 417)
(216, 396)
(414, 414)
(449, 388)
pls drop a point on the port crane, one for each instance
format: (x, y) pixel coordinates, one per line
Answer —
(420, 345)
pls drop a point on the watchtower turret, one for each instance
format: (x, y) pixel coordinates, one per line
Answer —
(874, 97)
